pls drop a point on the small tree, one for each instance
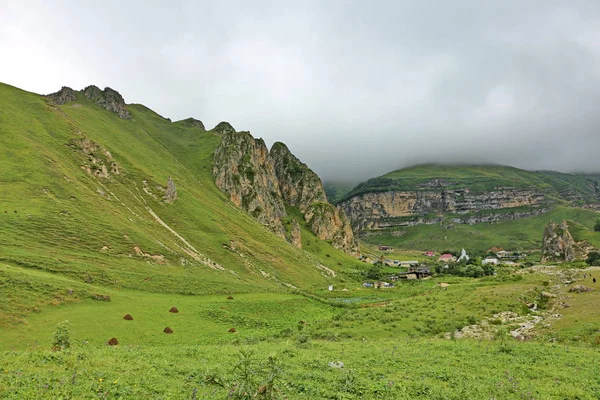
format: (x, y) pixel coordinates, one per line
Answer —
(593, 258)
(375, 272)
(597, 226)
(61, 339)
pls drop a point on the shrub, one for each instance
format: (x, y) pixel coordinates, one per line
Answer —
(61, 338)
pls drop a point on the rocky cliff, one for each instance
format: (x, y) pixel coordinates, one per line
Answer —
(300, 186)
(330, 223)
(558, 244)
(243, 169)
(375, 210)
(263, 183)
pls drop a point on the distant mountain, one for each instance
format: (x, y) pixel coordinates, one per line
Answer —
(446, 195)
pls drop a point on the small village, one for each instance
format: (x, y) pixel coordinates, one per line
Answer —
(437, 263)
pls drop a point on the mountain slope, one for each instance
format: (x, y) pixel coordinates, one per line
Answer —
(82, 195)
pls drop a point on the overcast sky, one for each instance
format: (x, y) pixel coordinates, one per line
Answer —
(354, 88)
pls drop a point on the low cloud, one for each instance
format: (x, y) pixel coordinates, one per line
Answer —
(354, 88)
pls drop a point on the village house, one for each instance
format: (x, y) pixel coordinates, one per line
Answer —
(503, 254)
(447, 258)
(385, 248)
(429, 254)
(411, 263)
(417, 272)
(489, 260)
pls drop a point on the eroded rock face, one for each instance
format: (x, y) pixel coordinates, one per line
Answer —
(263, 183)
(243, 169)
(63, 96)
(375, 210)
(171, 193)
(295, 233)
(109, 99)
(300, 186)
(330, 223)
(558, 244)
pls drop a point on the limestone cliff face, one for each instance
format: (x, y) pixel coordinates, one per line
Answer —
(330, 223)
(300, 186)
(400, 208)
(558, 244)
(243, 169)
(263, 183)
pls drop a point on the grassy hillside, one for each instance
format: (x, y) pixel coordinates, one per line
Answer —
(481, 178)
(57, 217)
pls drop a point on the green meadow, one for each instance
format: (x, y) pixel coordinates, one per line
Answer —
(255, 317)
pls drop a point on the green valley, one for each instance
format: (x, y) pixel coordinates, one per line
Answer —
(146, 258)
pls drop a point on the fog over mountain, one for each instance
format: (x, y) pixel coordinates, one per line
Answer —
(354, 88)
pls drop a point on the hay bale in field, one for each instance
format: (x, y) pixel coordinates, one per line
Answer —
(128, 317)
(113, 342)
(229, 298)
(174, 310)
(232, 330)
(168, 330)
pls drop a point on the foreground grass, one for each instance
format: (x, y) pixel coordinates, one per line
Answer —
(398, 369)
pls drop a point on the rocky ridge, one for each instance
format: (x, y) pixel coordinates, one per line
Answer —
(108, 99)
(263, 183)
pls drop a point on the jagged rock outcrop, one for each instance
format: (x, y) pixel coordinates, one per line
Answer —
(171, 193)
(375, 210)
(558, 244)
(295, 233)
(263, 183)
(330, 223)
(63, 96)
(193, 122)
(243, 169)
(223, 128)
(109, 99)
(300, 186)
